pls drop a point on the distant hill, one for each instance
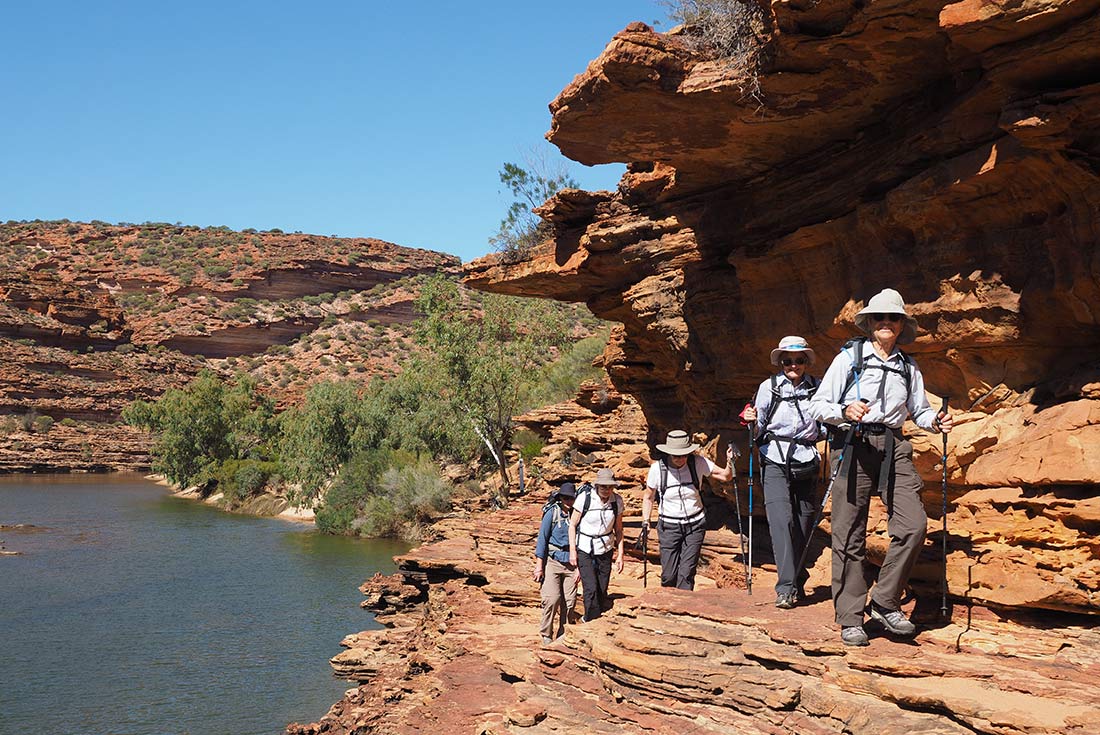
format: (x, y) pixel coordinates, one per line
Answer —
(93, 316)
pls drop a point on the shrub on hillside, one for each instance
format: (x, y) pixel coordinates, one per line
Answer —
(731, 31)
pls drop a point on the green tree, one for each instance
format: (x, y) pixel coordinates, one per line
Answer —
(522, 229)
(483, 362)
(205, 424)
(317, 435)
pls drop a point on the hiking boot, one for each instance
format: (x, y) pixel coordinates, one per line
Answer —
(786, 600)
(854, 636)
(893, 620)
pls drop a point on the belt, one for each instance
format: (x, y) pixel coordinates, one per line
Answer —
(887, 466)
(701, 515)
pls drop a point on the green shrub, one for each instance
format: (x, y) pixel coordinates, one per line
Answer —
(528, 443)
(345, 499)
(240, 478)
(43, 424)
(410, 496)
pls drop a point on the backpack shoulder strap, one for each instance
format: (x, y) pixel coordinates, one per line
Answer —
(663, 482)
(587, 501)
(694, 472)
(907, 370)
(856, 368)
(774, 405)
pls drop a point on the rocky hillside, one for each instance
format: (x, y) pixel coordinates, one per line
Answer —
(93, 316)
(944, 149)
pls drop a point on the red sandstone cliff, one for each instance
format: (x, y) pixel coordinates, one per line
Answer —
(946, 150)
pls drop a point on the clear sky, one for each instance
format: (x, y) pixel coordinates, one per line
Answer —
(367, 118)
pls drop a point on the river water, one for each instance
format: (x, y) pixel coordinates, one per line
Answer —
(131, 612)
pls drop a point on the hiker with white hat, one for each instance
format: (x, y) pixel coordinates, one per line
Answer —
(787, 436)
(552, 566)
(875, 386)
(673, 481)
(596, 540)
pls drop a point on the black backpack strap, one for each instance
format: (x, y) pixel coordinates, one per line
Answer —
(773, 406)
(694, 473)
(663, 482)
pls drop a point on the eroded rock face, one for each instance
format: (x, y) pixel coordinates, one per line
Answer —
(946, 151)
(460, 653)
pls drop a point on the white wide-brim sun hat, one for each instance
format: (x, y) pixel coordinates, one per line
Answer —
(887, 301)
(677, 443)
(792, 344)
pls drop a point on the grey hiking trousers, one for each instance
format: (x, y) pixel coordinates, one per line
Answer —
(680, 545)
(790, 506)
(906, 524)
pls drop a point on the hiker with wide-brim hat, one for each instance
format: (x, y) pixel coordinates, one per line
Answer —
(552, 566)
(596, 540)
(876, 386)
(674, 482)
(787, 436)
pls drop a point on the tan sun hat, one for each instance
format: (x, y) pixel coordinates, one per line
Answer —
(888, 301)
(606, 476)
(792, 344)
(678, 442)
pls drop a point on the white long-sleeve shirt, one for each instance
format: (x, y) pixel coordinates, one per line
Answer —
(895, 405)
(791, 420)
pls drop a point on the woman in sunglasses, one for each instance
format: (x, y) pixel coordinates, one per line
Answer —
(787, 435)
(875, 386)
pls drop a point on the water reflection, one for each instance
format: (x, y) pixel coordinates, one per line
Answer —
(137, 612)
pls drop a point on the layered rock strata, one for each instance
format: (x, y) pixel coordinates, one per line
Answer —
(945, 150)
(94, 316)
(460, 653)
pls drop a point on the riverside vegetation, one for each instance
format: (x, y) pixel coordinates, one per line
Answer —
(368, 455)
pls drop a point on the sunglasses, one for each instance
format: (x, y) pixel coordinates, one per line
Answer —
(788, 361)
(885, 317)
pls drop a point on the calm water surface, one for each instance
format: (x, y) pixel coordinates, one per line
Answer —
(135, 613)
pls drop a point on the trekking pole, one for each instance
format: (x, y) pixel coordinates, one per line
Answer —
(825, 500)
(752, 445)
(732, 454)
(943, 599)
(642, 545)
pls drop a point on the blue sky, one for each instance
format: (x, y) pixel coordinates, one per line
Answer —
(366, 118)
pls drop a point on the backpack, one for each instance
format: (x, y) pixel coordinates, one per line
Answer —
(858, 366)
(588, 490)
(793, 470)
(616, 505)
(663, 483)
(553, 505)
(812, 385)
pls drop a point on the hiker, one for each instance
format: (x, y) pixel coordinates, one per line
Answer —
(673, 481)
(596, 540)
(875, 386)
(787, 436)
(552, 565)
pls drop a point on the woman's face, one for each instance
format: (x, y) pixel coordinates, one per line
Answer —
(886, 327)
(678, 460)
(794, 365)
